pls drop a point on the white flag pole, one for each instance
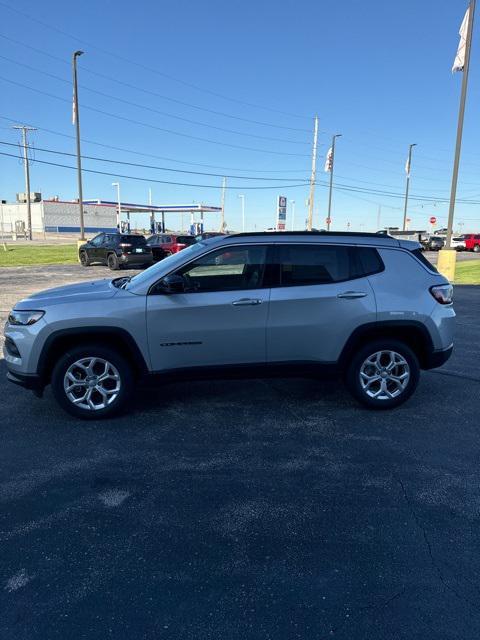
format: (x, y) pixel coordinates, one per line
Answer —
(461, 117)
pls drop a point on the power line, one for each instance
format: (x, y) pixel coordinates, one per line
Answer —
(147, 108)
(154, 93)
(148, 166)
(180, 184)
(157, 157)
(151, 126)
(338, 186)
(150, 69)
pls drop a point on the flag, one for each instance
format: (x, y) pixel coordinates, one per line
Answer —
(74, 111)
(329, 161)
(407, 166)
(459, 62)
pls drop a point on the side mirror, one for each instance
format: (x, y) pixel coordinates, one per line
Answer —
(172, 284)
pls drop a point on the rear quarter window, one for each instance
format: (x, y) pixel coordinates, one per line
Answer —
(420, 256)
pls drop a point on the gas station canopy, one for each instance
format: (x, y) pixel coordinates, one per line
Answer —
(128, 207)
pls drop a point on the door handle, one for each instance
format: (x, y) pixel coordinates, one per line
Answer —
(351, 295)
(246, 302)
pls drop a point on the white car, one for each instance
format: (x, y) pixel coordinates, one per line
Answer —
(458, 243)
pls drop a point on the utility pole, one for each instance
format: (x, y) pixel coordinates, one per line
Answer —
(311, 199)
(26, 166)
(408, 169)
(242, 198)
(461, 117)
(330, 191)
(76, 122)
(222, 219)
(293, 214)
(379, 215)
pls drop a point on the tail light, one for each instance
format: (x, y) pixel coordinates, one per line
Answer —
(443, 293)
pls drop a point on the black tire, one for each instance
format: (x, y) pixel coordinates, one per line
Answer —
(353, 375)
(476, 248)
(112, 262)
(84, 259)
(115, 360)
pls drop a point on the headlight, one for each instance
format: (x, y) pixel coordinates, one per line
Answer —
(24, 318)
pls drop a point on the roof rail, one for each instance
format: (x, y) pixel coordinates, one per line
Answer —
(353, 234)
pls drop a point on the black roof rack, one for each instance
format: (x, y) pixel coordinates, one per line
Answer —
(353, 234)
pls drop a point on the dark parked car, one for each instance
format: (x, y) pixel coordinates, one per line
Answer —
(164, 244)
(116, 250)
(434, 243)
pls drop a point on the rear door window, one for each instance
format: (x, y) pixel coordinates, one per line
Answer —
(303, 265)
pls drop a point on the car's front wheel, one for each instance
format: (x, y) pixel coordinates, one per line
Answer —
(383, 374)
(84, 259)
(476, 248)
(92, 382)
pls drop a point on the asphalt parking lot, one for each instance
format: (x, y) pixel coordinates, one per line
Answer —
(261, 509)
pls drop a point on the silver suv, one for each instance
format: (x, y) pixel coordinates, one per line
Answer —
(364, 305)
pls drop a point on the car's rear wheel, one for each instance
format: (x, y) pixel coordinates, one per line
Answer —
(383, 374)
(84, 259)
(476, 248)
(92, 382)
(112, 262)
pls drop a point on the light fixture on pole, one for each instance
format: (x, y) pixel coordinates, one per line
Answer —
(242, 198)
(76, 122)
(408, 170)
(119, 209)
(329, 166)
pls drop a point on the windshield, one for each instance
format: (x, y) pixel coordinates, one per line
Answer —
(167, 263)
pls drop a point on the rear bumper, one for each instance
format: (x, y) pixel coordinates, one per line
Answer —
(135, 258)
(437, 358)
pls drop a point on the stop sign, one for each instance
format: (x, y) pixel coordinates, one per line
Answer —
(328, 220)
(433, 220)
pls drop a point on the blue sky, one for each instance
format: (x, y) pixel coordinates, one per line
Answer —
(251, 75)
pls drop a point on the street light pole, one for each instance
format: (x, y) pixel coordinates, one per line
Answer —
(293, 215)
(242, 198)
(330, 192)
(407, 188)
(76, 122)
(119, 210)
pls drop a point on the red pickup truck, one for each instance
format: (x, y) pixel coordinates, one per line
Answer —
(472, 242)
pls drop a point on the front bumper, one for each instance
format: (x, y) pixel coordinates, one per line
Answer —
(31, 381)
(437, 358)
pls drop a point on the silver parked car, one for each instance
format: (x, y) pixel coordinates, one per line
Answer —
(365, 305)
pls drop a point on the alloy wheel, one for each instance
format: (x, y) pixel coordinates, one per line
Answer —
(384, 375)
(92, 383)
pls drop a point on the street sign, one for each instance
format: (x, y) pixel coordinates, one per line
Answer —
(328, 220)
(433, 220)
(281, 213)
